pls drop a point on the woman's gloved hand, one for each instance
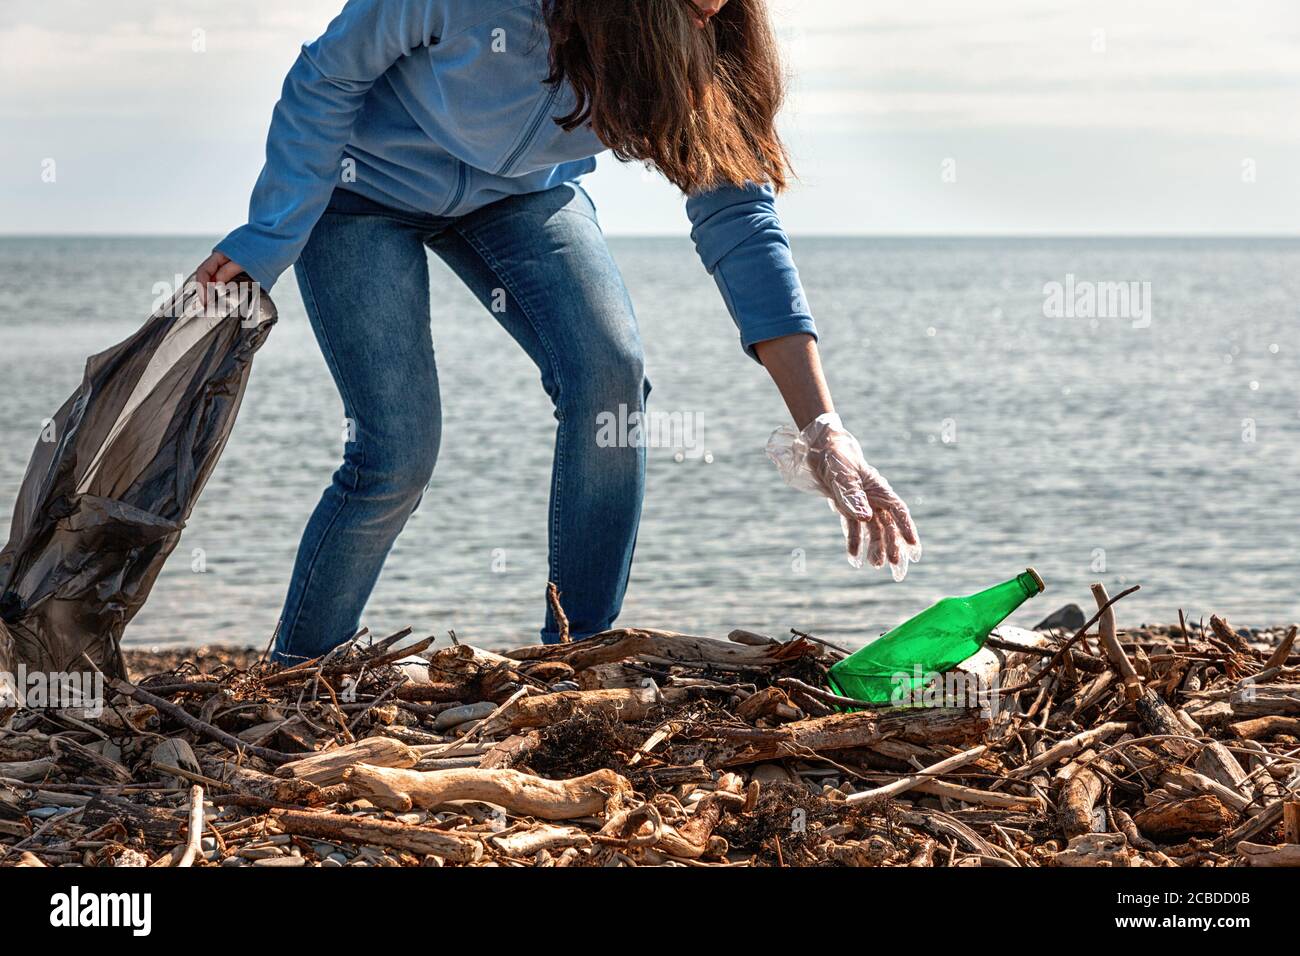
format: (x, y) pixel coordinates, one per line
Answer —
(826, 460)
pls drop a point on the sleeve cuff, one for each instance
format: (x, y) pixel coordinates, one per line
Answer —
(264, 276)
(775, 329)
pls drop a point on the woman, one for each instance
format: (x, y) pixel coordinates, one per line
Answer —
(463, 126)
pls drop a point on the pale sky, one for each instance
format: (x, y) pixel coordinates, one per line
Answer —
(928, 117)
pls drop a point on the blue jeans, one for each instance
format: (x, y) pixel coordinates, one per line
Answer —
(365, 283)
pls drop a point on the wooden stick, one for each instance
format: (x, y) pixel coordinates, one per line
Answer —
(622, 704)
(305, 671)
(907, 783)
(557, 611)
(664, 646)
(1079, 635)
(369, 831)
(225, 774)
(1069, 747)
(973, 796)
(826, 697)
(1283, 651)
(194, 835)
(182, 716)
(822, 735)
(1110, 643)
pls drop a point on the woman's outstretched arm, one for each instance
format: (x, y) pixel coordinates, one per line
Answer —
(744, 247)
(796, 367)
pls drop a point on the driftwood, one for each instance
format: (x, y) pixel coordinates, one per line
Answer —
(1110, 644)
(1159, 747)
(527, 843)
(977, 797)
(1180, 819)
(1096, 849)
(770, 702)
(839, 732)
(1071, 746)
(664, 647)
(253, 783)
(622, 704)
(327, 767)
(194, 832)
(907, 783)
(371, 832)
(314, 669)
(1268, 701)
(1257, 854)
(194, 724)
(691, 840)
(1265, 727)
(135, 821)
(1291, 821)
(1077, 808)
(515, 792)
(1161, 720)
(1158, 717)
(27, 771)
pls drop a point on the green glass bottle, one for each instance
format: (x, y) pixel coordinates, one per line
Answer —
(936, 640)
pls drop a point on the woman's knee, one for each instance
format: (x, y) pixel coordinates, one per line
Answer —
(609, 378)
(396, 471)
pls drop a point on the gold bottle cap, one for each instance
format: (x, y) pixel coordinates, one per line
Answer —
(1038, 579)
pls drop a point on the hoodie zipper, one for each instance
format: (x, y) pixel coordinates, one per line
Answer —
(527, 141)
(462, 175)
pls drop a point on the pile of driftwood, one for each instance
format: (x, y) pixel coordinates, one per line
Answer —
(1151, 747)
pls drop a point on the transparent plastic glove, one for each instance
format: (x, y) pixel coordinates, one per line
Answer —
(826, 460)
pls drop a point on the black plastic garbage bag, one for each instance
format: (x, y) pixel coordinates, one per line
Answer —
(115, 476)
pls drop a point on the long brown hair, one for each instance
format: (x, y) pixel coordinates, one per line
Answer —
(698, 104)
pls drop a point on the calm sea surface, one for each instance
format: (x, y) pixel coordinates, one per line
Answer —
(1165, 456)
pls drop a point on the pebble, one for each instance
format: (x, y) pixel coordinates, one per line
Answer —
(44, 813)
(322, 850)
(459, 715)
(336, 859)
(259, 852)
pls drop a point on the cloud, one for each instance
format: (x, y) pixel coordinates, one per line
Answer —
(1191, 67)
(1148, 90)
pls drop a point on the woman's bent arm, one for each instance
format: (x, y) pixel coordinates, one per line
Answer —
(312, 123)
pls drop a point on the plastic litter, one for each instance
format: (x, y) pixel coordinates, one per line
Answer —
(116, 473)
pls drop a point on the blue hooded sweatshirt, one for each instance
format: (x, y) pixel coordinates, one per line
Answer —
(439, 107)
